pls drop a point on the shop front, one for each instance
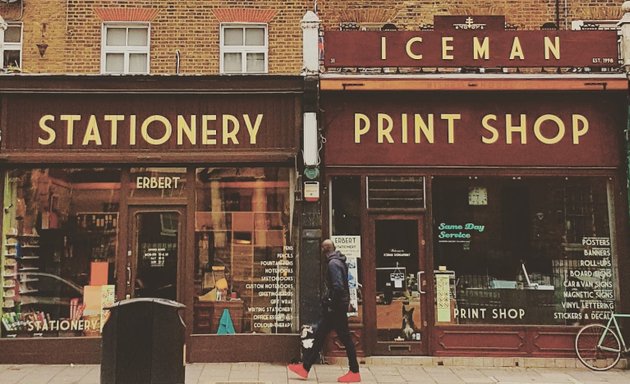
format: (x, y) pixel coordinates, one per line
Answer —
(173, 187)
(484, 220)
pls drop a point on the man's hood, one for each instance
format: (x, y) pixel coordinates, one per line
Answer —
(336, 255)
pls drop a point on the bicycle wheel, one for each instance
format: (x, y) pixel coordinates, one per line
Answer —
(591, 353)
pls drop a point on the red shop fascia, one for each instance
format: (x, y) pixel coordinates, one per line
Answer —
(406, 120)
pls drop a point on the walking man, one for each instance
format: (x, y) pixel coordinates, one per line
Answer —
(335, 308)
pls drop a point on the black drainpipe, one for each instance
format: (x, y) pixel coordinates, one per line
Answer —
(558, 14)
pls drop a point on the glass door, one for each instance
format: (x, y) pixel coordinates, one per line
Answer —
(398, 278)
(155, 253)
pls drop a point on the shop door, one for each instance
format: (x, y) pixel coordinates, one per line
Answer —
(155, 252)
(397, 319)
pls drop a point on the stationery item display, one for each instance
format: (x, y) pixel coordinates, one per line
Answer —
(226, 327)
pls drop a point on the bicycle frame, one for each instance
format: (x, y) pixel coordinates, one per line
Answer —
(616, 330)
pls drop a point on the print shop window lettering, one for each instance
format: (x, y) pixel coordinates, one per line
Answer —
(152, 130)
(458, 231)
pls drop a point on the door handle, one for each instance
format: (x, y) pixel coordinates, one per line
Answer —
(128, 275)
(420, 282)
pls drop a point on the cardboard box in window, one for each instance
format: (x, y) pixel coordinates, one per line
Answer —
(243, 221)
(205, 221)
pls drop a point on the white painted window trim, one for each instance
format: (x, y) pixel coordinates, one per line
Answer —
(13, 46)
(264, 49)
(576, 25)
(126, 49)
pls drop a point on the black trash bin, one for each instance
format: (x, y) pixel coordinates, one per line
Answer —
(143, 343)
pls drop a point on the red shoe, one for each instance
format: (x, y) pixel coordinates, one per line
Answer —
(299, 370)
(350, 377)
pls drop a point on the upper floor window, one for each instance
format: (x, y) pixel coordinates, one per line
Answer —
(12, 55)
(244, 48)
(125, 48)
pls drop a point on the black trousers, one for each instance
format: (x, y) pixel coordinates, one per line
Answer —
(337, 320)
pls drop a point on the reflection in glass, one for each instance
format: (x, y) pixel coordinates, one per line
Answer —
(397, 295)
(525, 250)
(245, 257)
(59, 240)
(157, 237)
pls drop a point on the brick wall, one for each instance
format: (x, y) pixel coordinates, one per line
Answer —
(409, 15)
(72, 29)
(73, 33)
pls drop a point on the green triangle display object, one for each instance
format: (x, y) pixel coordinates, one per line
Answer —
(226, 327)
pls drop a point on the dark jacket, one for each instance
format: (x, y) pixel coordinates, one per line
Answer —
(337, 282)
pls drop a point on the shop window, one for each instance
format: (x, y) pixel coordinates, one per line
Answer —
(125, 48)
(12, 50)
(60, 233)
(244, 48)
(245, 260)
(523, 250)
(346, 205)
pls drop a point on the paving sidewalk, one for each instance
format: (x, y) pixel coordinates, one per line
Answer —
(263, 373)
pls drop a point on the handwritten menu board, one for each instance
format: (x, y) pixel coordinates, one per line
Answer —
(274, 293)
(588, 289)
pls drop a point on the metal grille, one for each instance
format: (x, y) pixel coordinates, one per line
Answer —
(395, 192)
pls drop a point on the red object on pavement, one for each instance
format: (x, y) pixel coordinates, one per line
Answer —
(350, 377)
(299, 370)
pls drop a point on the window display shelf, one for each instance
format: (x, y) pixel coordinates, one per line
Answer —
(21, 255)
(98, 221)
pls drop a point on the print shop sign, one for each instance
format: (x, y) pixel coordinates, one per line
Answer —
(458, 233)
(509, 128)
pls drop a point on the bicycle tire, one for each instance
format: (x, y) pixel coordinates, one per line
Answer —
(590, 354)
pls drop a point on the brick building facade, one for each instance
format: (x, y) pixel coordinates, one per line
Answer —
(235, 147)
(72, 29)
(411, 15)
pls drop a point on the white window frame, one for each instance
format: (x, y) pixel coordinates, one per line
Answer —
(126, 50)
(576, 25)
(13, 46)
(243, 49)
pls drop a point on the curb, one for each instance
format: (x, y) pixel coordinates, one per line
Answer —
(488, 362)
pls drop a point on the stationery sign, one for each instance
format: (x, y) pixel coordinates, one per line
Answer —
(471, 48)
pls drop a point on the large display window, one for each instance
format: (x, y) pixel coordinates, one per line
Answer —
(523, 250)
(245, 261)
(59, 239)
